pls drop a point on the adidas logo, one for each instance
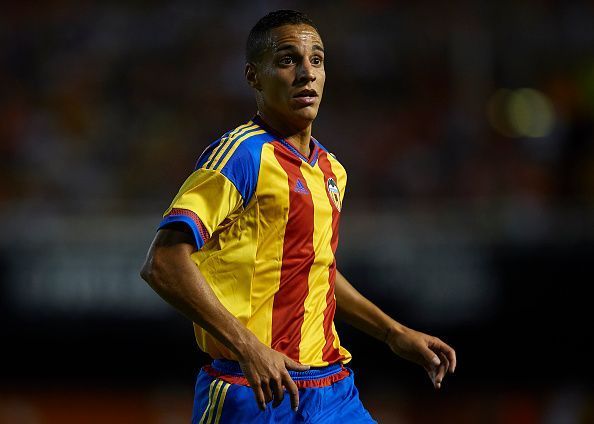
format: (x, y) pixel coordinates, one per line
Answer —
(300, 188)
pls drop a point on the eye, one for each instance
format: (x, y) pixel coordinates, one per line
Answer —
(286, 60)
(316, 60)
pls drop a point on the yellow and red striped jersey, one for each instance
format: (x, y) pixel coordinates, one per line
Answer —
(265, 220)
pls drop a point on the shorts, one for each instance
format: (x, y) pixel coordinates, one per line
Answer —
(326, 395)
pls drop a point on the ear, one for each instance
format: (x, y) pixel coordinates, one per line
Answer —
(251, 75)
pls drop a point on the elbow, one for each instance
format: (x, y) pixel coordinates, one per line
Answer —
(163, 263)
(146, 272)
(152, 268)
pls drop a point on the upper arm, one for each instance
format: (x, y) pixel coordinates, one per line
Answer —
(175, 235)
(168, 246)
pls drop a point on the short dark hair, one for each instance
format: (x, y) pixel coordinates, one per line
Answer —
(259, 38)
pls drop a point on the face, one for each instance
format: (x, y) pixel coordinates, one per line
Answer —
(290, 77)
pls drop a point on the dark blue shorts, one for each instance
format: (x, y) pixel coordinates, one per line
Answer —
(326, 395)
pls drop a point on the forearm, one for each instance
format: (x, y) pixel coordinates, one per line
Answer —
(175, 277)
(356, 310)
(430, 352)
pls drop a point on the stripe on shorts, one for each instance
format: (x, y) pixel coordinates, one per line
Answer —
(221, 402)
(212, 385)
(214, 409)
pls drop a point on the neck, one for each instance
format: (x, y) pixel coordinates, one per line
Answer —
(299, 137)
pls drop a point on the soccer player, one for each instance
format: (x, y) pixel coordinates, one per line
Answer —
(247, 252)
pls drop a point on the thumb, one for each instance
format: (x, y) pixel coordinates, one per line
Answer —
(295, 366)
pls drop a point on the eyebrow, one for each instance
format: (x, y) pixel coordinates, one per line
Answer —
(315, 47)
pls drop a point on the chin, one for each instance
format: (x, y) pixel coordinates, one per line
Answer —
(306, 114)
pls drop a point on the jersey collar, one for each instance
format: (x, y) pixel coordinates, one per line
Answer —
(314, 148)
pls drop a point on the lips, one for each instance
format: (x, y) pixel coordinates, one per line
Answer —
(306, 93)
(306, 97)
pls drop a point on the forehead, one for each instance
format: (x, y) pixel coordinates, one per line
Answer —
(294, 35)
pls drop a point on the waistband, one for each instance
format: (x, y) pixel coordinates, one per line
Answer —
(230, 371)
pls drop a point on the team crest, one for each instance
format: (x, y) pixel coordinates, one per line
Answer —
(334, 192)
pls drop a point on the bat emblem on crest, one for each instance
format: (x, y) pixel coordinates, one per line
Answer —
(334, 192)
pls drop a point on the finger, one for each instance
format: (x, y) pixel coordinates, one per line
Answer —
(445, 362)
(293, 391)
(259, 396)
(429, 359)
(441, 370)
(277, 391)
(439, 377)
(451, 354)
(295, 366)
(267, 392)
(432, 374)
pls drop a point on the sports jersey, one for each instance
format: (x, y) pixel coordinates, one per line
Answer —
(265, 221)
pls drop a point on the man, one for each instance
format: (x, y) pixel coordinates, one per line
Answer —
(246, 251)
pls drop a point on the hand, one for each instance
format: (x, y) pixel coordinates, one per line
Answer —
(267, 372)
(435, 356)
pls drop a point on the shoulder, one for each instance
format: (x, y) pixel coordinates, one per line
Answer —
(243, 143)
(236, 155)
(207, 159)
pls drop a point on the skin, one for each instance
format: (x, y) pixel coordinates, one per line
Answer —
(435, 356)
(294, 63)
(170, 271)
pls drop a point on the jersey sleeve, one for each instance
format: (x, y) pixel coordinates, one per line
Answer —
(217, 189)
(205, 199)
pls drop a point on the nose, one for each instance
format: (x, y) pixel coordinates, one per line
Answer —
(306, 72)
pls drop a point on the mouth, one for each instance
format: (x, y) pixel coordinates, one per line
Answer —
(306, 97)
(306, 93)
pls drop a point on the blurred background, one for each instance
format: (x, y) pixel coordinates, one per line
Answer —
(467, 128)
